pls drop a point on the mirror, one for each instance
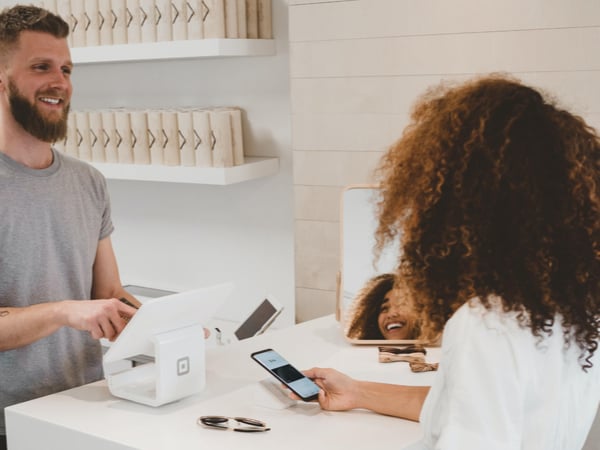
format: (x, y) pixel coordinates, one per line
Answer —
(369, 310)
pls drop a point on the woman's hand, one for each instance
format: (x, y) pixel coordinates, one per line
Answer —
(338, 391)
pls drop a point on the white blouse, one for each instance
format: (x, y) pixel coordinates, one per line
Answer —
(500, 388)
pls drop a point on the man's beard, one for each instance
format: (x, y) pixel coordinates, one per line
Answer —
(33, 121)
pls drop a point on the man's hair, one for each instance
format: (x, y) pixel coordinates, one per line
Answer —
(495, 192)
(21, 18)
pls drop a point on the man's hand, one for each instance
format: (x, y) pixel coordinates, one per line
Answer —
(101, 318)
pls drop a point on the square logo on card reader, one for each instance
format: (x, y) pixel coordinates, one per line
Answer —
(183, 366)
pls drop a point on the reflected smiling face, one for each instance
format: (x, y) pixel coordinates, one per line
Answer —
(396, 320)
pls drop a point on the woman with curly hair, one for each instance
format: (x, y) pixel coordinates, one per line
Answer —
(382, 311)
(495, 192)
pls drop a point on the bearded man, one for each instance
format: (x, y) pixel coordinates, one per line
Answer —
(59, 280)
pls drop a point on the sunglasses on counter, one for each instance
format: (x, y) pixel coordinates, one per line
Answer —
(242, 424)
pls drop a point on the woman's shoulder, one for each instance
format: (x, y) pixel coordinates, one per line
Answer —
(474, 320)
(473, 312)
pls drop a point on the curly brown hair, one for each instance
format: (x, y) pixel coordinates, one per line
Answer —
(362, 323)
(495, 192)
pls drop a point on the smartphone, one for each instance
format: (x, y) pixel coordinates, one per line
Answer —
(291, 377)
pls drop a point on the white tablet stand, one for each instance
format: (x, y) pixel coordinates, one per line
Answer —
(177, 372)
(170, 329)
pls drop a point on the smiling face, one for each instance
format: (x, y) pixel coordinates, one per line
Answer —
(396, 320)
(37, 85)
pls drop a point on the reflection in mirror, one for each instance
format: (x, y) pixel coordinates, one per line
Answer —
(381, 310)
(373, 303)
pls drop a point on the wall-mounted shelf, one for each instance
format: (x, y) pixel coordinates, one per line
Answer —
(200, 48)
(253, 168)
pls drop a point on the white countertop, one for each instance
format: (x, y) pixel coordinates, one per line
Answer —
(90, 417)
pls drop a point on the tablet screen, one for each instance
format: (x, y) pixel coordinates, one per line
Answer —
(260, 317)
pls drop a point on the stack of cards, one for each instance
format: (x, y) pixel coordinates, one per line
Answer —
(185, 137)
(108, 22)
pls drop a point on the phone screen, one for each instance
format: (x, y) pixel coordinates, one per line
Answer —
(302, 386)
(257, 320)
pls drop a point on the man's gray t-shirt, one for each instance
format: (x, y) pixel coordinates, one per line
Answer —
(51, 221)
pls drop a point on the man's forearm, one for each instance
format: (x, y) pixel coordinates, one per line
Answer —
(22, 326)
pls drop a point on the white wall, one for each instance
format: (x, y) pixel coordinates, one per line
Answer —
(357, 66)
(179, 236)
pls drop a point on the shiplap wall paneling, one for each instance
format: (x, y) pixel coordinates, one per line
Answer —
(357, 66)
